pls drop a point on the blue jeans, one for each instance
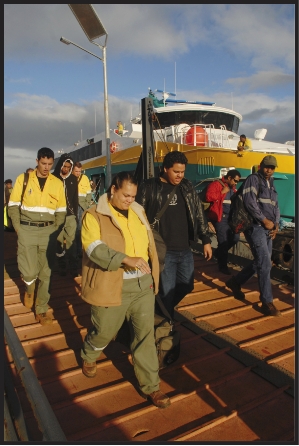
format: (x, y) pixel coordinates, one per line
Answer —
(226, 239)
(177, 278)
(261, 248)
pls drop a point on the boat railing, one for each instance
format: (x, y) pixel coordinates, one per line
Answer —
(215, 137)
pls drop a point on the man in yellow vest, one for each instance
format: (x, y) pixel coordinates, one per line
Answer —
(37, 210)
(85, 198)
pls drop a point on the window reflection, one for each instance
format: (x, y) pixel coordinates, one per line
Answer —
(191, 117)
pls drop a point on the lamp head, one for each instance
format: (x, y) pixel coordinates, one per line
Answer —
(64, 40)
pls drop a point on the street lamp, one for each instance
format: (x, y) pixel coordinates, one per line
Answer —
(93, 28)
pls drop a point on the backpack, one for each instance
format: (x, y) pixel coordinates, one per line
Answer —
(239, 219)
(26, 179)
(202, 195)
(167, 339)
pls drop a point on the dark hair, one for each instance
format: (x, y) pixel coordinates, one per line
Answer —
(119, 179)
(232, 173)
(242, 136)
(77, 164)
(173, 157)
(45, 152)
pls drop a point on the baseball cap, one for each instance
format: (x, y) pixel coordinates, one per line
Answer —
(8, 181)
(269, 160)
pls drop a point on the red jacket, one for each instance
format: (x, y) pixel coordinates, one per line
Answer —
(215, 197)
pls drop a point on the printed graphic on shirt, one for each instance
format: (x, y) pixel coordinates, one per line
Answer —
(174, 200)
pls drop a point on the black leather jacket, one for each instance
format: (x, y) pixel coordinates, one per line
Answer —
(150, 197)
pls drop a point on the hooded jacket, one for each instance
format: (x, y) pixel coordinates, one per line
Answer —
(70, 185)
(150, 197)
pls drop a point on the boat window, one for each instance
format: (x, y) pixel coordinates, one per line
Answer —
(83, 153)
(87, 152)
(191, 117)
(98, 148)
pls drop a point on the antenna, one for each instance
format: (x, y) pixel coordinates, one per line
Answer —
(95, 121)
(175, 78)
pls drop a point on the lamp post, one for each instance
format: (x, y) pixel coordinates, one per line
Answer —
(93, 28)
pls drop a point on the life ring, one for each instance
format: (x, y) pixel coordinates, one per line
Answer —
(113, 147)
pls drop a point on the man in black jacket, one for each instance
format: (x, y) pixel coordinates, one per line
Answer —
(63, 171)
(183, 220)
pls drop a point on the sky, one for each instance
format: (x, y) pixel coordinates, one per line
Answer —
(240, 56)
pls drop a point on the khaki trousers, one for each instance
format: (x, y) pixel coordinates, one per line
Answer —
(137, 307)
(36, 259)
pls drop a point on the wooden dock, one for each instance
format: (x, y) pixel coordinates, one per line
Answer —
(234, 380)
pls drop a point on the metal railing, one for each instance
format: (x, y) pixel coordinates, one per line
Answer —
(47, 421)
(215, 137)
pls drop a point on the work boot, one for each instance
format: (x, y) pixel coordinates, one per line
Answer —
(89, 369)
(236, 288)
(28, 300)
(269, 309)
(158, 399)
(43, 319)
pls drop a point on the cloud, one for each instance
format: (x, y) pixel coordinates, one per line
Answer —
(17, 81)
(130, 29)
(263, 34)
(32, 122)
(262, 80)
(249, 32)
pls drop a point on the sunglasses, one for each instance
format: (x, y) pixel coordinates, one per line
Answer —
(236, 181)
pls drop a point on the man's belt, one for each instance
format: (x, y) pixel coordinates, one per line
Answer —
(39, 225)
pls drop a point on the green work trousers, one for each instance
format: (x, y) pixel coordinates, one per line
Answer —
(137, 307)
(68, 233)
(36, 259)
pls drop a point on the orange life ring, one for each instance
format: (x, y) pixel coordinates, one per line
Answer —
(113, 147)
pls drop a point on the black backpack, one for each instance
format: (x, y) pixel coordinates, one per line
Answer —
(239, 218)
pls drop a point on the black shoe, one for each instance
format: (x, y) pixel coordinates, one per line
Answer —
(235, 287)
(225, 270)
(269, 309)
